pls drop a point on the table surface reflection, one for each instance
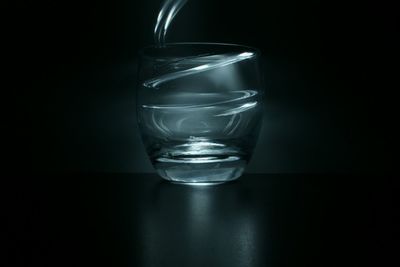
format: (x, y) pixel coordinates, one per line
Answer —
(258, 220)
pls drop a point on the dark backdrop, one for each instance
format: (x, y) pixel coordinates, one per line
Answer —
(329, 107)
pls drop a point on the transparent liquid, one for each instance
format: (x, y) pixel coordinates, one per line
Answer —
(201, 136)
(168, 11)
(199, 119)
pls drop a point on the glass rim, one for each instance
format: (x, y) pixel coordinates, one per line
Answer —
(255, 50)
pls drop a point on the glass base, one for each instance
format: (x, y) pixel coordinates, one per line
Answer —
(193, 174)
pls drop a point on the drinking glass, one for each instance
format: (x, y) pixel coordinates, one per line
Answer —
(199, 109)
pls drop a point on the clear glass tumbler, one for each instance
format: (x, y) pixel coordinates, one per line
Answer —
(199, 109)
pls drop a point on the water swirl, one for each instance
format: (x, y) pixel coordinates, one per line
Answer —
(167, 13)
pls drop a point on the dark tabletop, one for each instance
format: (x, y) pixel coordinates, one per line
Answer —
(259, 220)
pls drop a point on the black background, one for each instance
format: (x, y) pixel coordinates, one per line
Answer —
(68, 101)
(328, 65)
